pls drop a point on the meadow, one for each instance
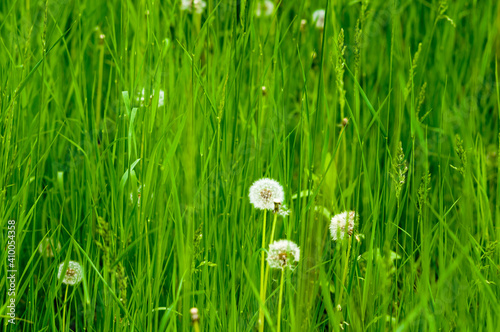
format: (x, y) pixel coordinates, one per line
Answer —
(131, 133)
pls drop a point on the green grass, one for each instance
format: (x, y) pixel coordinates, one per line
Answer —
(74, 146)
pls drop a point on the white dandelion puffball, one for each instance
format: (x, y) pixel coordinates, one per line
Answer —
(264, 193)
(73, 274)
(161, 97)
(303, 24)
(318, 18)
(47, 247)
(342, 223)
(191, 6)
(283, 254)
(264, 8)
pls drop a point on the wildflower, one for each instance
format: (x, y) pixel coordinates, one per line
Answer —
(196, 6)
(47, 247)
(342, 223)
(282, 254)
(318, 17)
(73, 274)
(264, 193)
(264, 8)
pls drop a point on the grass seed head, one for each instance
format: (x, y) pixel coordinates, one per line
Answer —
(459, 149)
(339, 69)
(122, 279)
(399, 170)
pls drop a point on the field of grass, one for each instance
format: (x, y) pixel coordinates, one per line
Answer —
(132, 131)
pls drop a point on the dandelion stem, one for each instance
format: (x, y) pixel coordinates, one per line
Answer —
(195, 319)
(280, 298)
(262, 290)
(64, 308)
(345, 271)
(267, 267)
(274, 227)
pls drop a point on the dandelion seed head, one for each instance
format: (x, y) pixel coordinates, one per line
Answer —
(343, 323)
(73, 274)
(318, 17)
(359, 237)
(283, 254)
(196, 6)
(46, 247)
(132, 198)
(303, 25)
(194, 314)
(161, 97)
(264, 8)
(264, 90)
(284, 211)
(264, 193)
(342, 223)
(345, 122)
